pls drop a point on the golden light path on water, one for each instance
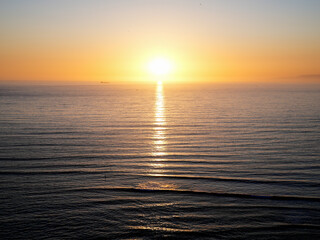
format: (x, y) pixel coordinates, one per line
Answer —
(159, 137)
(159, 134)
(159, 143)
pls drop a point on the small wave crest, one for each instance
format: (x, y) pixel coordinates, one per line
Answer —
(203, 193)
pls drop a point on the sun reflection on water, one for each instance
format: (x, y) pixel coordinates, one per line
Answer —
(159, 137)
(157, 165)
(159, 133)
(157, 186)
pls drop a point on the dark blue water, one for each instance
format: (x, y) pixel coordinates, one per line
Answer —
(160, 161)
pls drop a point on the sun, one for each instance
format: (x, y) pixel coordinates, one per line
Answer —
(160, 66)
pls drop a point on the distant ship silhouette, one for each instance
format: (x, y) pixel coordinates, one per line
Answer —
(104, 82)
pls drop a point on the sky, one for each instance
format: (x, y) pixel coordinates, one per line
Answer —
(210, 41)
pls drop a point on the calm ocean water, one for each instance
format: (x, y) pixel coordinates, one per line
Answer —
(160, 161)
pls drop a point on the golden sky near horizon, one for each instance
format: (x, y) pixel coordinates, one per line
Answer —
(116, 40)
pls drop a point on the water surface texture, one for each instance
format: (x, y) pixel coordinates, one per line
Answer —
(160, 161)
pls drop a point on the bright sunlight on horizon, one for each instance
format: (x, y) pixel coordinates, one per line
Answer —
(160, 68)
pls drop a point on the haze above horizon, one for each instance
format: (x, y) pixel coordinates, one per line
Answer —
(206, 41)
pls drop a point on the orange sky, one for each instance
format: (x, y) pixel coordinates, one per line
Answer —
(114, 41)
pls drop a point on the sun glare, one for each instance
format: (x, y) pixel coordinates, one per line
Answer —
(160, 66)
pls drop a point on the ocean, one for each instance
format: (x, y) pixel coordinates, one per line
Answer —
(155, 161)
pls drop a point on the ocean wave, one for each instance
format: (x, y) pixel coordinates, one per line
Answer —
(203, 193)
